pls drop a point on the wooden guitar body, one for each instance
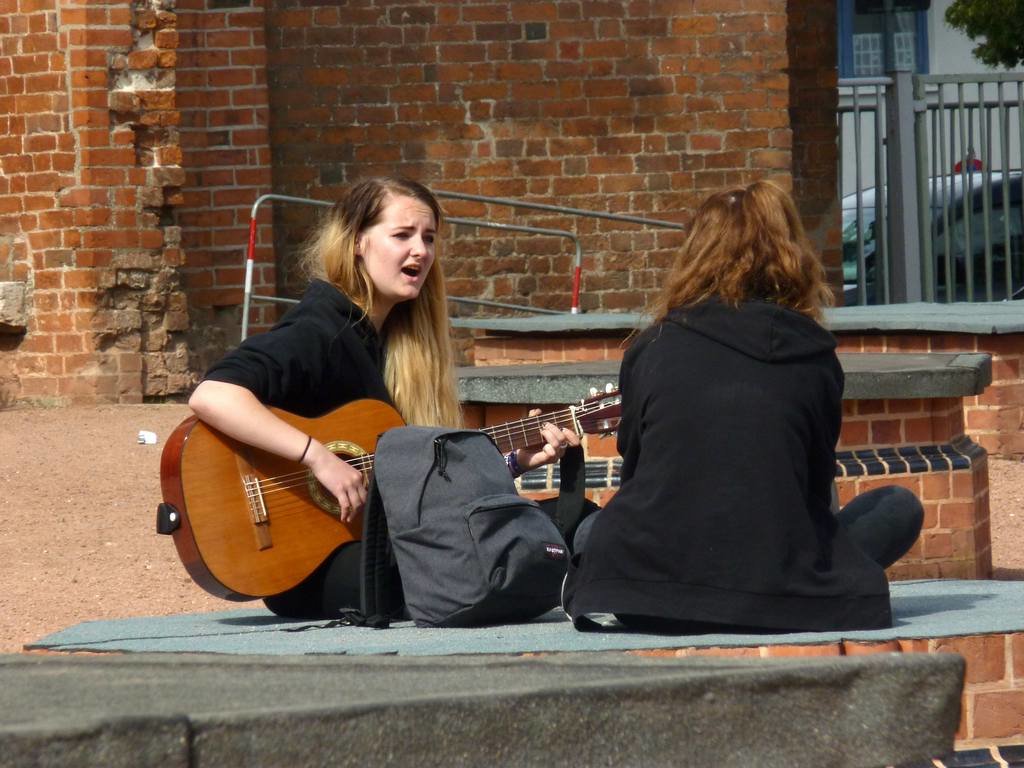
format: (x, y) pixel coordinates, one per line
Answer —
(251, 523)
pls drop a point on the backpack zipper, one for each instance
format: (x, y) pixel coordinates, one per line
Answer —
(441, 457)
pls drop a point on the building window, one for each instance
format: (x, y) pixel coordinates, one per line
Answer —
(862, 48)
(867, 54)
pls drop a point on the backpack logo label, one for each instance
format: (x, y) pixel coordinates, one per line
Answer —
(554, 551)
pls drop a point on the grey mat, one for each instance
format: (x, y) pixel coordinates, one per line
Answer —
(926, 608)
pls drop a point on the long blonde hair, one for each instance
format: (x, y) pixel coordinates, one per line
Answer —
(418, 365)
(744, 244)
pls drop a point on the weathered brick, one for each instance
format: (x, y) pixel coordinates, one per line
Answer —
(984, 655)
(998, 714)
(168, 39)
(786, 651)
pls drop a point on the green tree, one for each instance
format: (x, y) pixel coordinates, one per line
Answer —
(999, 22)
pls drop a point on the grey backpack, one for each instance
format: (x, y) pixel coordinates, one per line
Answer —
(469, 549)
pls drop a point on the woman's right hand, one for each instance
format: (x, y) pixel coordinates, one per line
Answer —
(235, 411)
(341, 479)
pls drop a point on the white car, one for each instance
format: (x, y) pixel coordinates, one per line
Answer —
(949, 207)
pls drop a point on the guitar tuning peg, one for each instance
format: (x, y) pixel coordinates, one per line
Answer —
(609, 388)
(593, 391)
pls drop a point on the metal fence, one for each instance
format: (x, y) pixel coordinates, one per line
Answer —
(249, 296)
(931, 187)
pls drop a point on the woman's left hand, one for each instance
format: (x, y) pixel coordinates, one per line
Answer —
(557, 440)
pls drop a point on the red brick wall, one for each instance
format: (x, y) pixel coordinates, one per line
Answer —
(994, 418)
(956, 538)
(519, 349)
(917, 421)
(34, 142)
(621, 107)
(136, 137)
(813, 101)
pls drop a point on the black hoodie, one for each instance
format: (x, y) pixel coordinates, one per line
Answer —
(322, 354)
(728, 435)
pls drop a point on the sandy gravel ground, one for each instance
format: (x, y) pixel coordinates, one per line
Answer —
(78, 497)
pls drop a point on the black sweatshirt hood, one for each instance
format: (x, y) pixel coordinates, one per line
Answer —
(758, 329)
(333, 301)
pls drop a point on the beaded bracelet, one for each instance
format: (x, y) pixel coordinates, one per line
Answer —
(513, 464)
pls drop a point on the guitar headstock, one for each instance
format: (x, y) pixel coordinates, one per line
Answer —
(600, 413)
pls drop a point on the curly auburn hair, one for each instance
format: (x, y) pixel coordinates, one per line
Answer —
(747, 243)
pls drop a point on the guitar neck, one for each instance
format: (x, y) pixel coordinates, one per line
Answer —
(520, 434)
(514, 435)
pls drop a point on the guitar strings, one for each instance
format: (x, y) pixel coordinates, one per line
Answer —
(297, 507)
(506, 431)
(298, 479)
(364, 463)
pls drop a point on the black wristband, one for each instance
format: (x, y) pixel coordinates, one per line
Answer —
(309, 441)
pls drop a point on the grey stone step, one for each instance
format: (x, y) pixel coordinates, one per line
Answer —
(565, 710)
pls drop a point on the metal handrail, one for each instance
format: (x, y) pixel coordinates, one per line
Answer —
(560, 209)
(577, 271)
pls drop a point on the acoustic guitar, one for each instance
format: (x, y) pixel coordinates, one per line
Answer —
(249, 524)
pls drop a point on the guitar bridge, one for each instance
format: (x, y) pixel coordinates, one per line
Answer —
(257, 511)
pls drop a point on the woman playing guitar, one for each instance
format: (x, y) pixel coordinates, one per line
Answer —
(372, 324)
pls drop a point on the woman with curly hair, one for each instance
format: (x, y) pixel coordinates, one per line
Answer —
(732, 404)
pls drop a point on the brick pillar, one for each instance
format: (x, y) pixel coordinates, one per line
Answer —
(144, 307)
(98, 171)
(813, 102)
(36, 157)
(222, 95)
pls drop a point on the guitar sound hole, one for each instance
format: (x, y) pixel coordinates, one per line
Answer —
(325, 500)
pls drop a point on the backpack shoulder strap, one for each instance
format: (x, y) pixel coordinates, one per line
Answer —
(376, 589)
(572, 505)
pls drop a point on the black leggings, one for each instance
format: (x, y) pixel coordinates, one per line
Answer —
(332, 586)
(883, 523)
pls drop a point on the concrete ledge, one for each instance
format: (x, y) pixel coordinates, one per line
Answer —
(869, 376)
(596, 709)
(541, 383)
(898, 375)
(561, 324)
(928, 608)
(994, 317)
